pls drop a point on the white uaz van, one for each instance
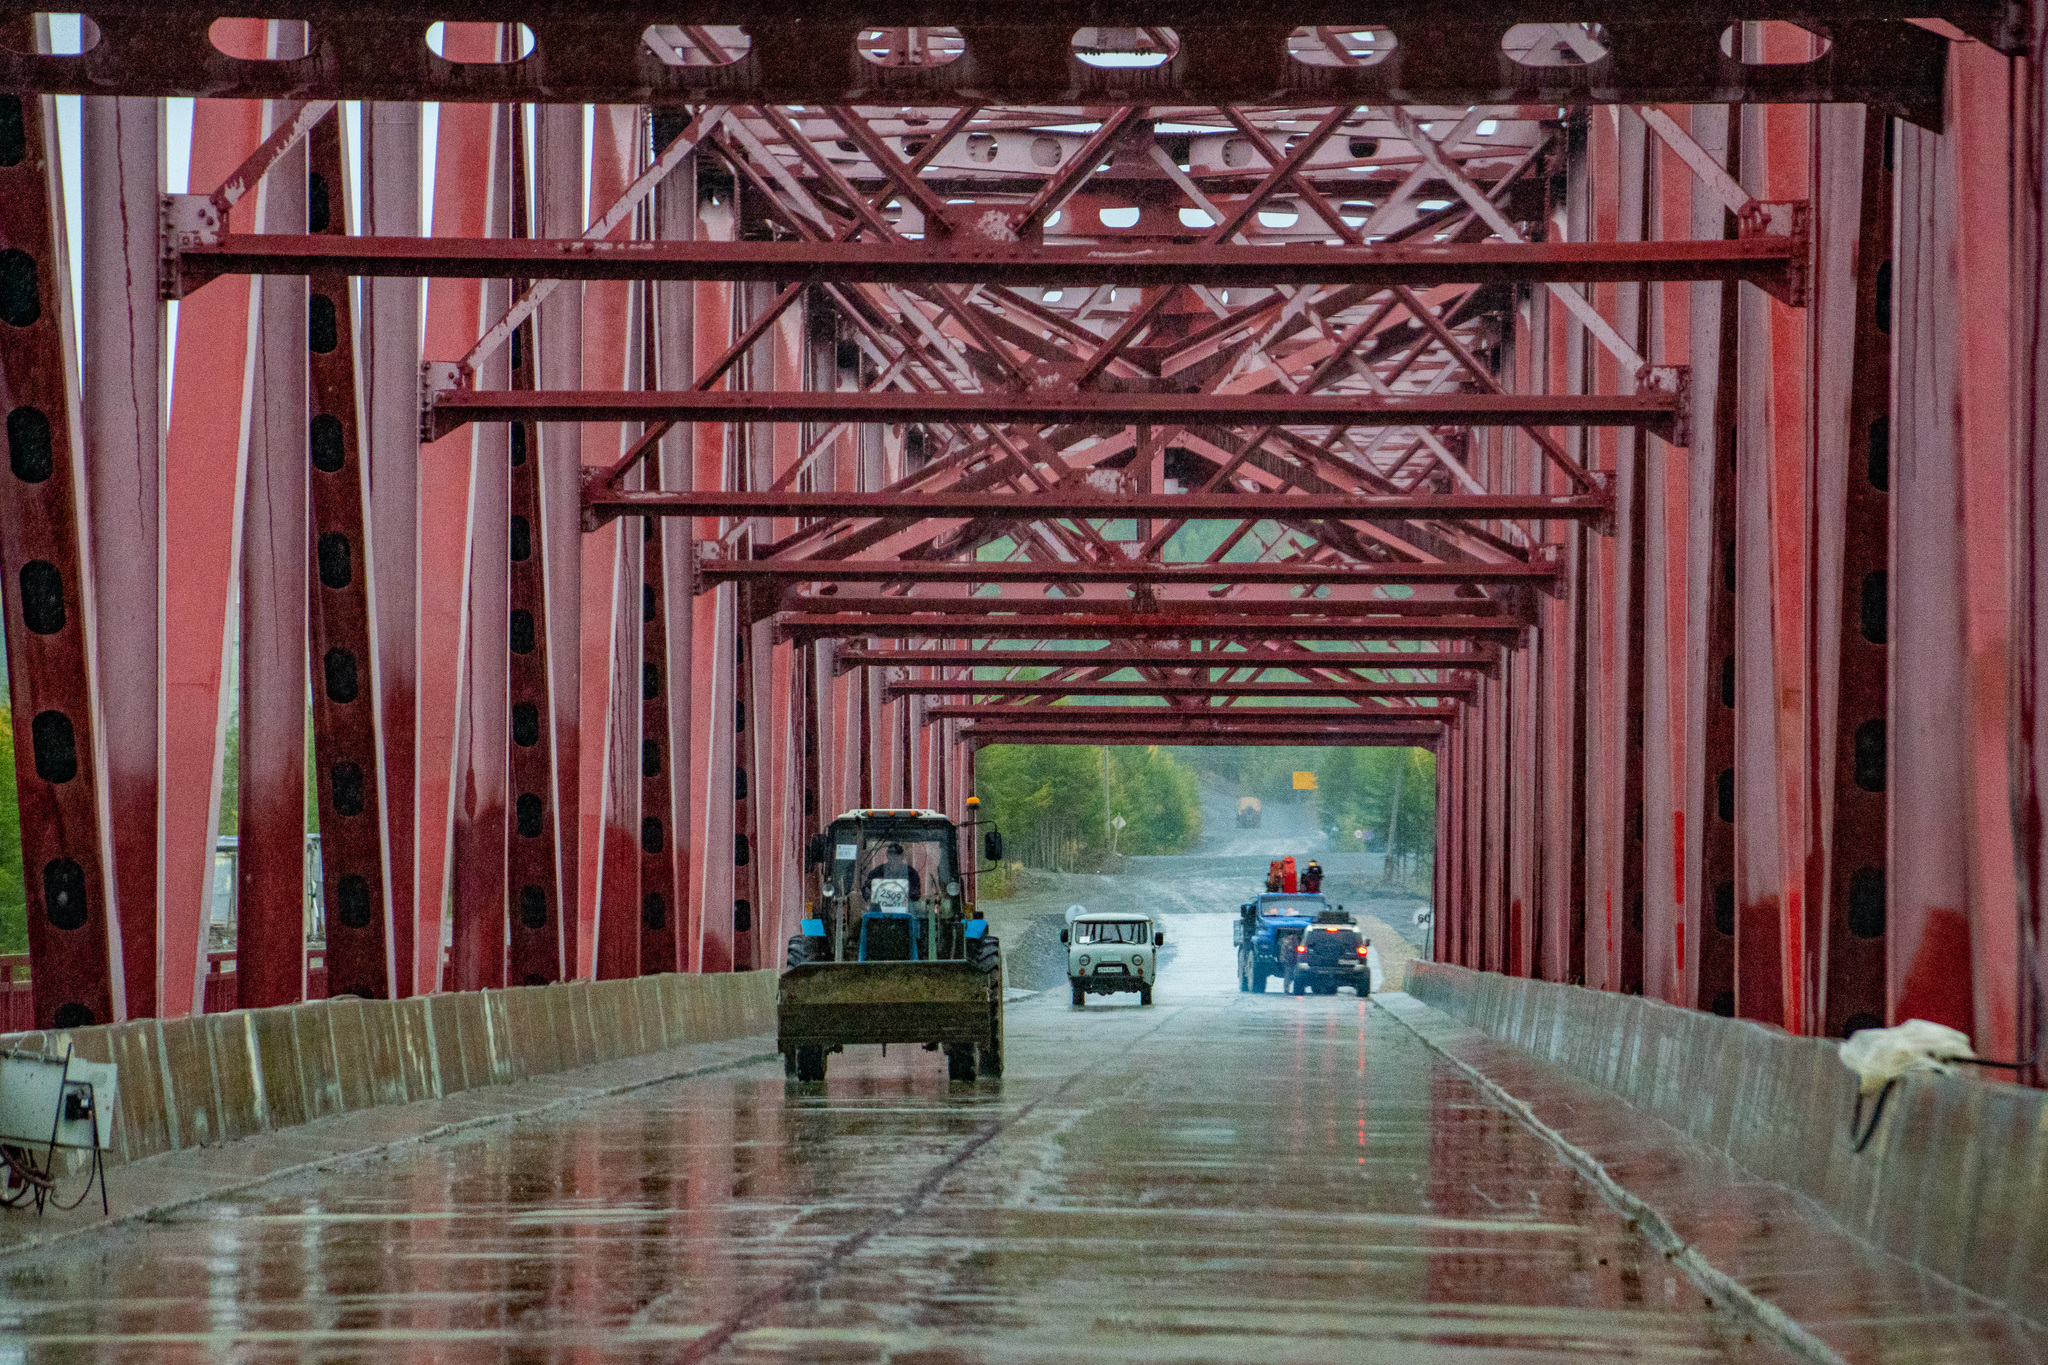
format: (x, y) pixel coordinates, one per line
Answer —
(1111, 953)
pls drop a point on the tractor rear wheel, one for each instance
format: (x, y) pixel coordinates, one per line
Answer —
(810, 1063)
(960, 1062)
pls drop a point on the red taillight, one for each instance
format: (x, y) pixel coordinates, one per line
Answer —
(1301, 947)
(1361, 952)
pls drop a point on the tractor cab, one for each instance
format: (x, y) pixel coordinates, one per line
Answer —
(889, 887)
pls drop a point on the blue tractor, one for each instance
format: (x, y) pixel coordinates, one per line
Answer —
(1268, 929)
(892, 950)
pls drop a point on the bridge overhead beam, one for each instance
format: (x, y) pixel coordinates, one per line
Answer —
(786, 571)
(1765, 259)
(1345, 688)
(1251, 719)
(604, 56)
(1040, 504)
(1656, 411)
(1255, 657)
(1490, 630)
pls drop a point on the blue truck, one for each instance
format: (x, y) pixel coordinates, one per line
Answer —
(1267, 930)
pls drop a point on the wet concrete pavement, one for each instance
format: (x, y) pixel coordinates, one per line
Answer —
(1218, 1177)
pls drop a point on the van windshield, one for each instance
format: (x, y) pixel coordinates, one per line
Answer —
(1118, 931)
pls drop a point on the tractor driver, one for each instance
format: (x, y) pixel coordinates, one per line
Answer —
(893, 867)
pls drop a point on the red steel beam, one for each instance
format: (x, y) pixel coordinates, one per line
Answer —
(345, 741)
(1761, 260)
(853, 625)
(602, 503)
(1243, 717)
(1654, 410)
(73, 926)
(1012, 687)
(978, 736)
(599, 54)
(1482, 657)
(1182, 729)
(1187, 615)
(1542, 573)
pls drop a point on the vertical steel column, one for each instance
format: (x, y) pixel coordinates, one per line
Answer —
(464, 172)
(557, 522)
(1671, 931)
(1496, 796)
(2030, 558)
(1632, 475)
(205, 450)
(746, 885)
(73, 936)
(625, 836)
(390, 376)
(1711, 578)
(1852, 596)
(537, 937)
(671, 673)
(608, 708)
(482, 823)
(270, 861)
(658, 853)
(1951, 935)
(352, 849)
(1928, 938)
(121, 359)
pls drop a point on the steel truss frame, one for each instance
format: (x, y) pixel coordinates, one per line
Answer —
(1311, 388)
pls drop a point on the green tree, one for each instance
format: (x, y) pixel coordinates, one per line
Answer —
(1082, 787)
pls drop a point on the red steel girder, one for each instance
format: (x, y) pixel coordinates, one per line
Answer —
(345, 741)
(1654, 410)
(1150, 626)
(1762, 260)
(1184, 727)
(72, 922)
(1540, 573)
(1192, 614)
(1247, 718)
(982, 735)
(1082, 687)
(602, 503)
(1269, 656)
(599, 54)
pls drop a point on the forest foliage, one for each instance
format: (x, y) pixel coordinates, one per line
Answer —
(1085, 787)
(1355, 789)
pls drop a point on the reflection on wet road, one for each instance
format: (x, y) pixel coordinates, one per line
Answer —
(1218, 1177)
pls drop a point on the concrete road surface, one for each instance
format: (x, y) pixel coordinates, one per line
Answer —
(1219, 1177)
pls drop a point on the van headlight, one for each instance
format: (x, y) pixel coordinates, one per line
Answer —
(1138, 958)
(1084, 959)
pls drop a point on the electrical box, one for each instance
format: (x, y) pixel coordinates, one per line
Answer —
(68, 1100)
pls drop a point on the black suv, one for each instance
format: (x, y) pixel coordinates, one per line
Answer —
(1329, 954)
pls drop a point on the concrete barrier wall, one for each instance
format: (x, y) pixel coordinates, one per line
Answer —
(1956, 1179)
(211, 1078)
